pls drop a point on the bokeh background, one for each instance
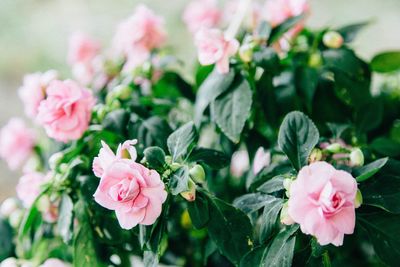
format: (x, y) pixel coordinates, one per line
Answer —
(34, 34)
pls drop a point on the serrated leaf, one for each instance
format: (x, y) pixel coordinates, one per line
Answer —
(181, 141)
(231, 110)
(297, 137)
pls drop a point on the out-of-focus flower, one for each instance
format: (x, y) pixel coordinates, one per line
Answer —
(28, 187)
(332, 39)
(53, 262)
(9, 262)
(322, 201)
(8, 207)
(277, 11)
(201, 13)
(82, 49)
(133, 191)
(214, 48)
(261, 160)
(16, 143)
(66, 112)
(240, 163)
(138, 35)
(33, 90)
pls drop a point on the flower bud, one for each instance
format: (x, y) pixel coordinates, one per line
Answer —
(190, 195)
(175, 166)
(168, 159)
(315, 60)
(55, 159)
(287, 184)
(359, 199)
(9, 262)
(100, 111)
(316, 155)
(8, 207)
(285, 217)
(334, 148)
(356, 157)
(122, 92)
(332, 39)
(197, 173)
(16, 218)
(246, 52)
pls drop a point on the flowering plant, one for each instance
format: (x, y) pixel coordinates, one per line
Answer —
(276, 153)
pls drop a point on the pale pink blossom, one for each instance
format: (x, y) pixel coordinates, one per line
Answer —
(53, 262)
(261, 160)
(278, 11)
(322, 202)
(240, 163)
(214, 48)
(138, 35)
(29, 187)
(33, 90)
(66, 112)
(135, 193)
(201, 13)
(253, 15)
(16, 143)
(82, 49)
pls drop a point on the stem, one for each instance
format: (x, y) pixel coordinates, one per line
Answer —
(326, 259)
(237, 20)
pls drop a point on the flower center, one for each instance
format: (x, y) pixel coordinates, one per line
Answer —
(330, 201)
(126, 190)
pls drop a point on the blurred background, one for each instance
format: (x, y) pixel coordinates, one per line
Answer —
(34, 34)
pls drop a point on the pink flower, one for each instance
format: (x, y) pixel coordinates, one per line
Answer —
(277, 11)
(201, 13)
(53, 262)
(213, 47)
(261, 160)
(133, 191)
(82, 49)
(322, 202)
(240, 163)
(33, 90)
(138, 35)
(16, 143)
(66, 112)
(29, 186)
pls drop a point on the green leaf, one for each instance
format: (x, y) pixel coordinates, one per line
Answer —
(349, 32)
(231, 110)
(64, 222)
(386, 62)
(272, 185)
(155, 157)
(297, 137)
(116, 121)
(252, 202)
(181, 142)
(280, 252)
(384, 233)
(267, 58)
(6, 240)
(212, 158)
(230, 229)
(367, 118)
(281, 29)
(150, 259)
(269, 218)
(179, 181)
(365, 172)
(198, 210)
(306, 80)
(386, 147)
(214, 85)
(253, 258)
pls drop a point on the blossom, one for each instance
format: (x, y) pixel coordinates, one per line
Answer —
(261, 159)
(214, 47)
(322, 202)
(66, 112)
(240, 163)
(277, 11)
(53, 262)
(33, 90)
(29, 186)
(135, 193)
(16, 142)
(82, 49)
(201, 13)
(138, 35)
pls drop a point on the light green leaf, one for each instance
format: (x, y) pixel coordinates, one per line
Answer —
(386, 62)
(365, 172)
(64, 223)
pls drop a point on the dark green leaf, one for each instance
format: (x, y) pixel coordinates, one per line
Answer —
(181, 141)
(212, 158)
(281, 29)
(297, 137)
(116, 121)
(198, 210)
(64, 223)
(386, 147)
(214, 85)
(386, 62)
(269, 218)
(179, 181)
(6, 240)
(367, 118)
(155, 157)
(231, 110)
(273, 185)
(267, 58)
(252, 202)
(350, 32)
(369, 170)
(306, 80)
(253, 258)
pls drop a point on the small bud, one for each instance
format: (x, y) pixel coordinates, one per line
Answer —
(16, 218)
(287, 184)
(55, 159)
(175, 166)
(334, 148)
(285, 217)
(100, 111)
(110, 97)
(359, 199)
(315, 60)
(115, 104)
(356, 157)
(197, 173)
(246, 52)
(122, 92)
(185, 220)
(43, 204)
(332, 39)
(168, 159)
(8, 207)
(316, 155)
(190, 195)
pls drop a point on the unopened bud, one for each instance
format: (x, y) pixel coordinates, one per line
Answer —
(334, 148)
(285, 217)
(315, 60)
(246, 52)
(190, 195)
(197, 173)
(175, 166)
(16, 218)
(55, 159)
(115, 104)
(43, 204)
(168, 159)
(356, 157)
(332, 39)
(100, 111)
(8, 207)
(316, 155)
(287, 183)
(122, 92)
(359, 199)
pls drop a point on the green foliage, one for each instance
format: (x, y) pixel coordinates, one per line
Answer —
(181, 142)
(386, 62)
